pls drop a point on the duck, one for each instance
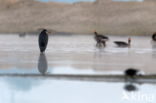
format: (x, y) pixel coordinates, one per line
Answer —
(131, 72)
(43, 40)
(123, 44)
(154, 36)
(100, 39)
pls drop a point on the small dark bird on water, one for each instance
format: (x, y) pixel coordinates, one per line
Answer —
(43, 40)
(100, 39)
(154, 37)
(123, 44)
(131, 72)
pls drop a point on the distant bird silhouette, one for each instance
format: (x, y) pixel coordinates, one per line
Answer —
(131, 72)
(123, 44)
(154, 37)
(100, 39)
(43, 40)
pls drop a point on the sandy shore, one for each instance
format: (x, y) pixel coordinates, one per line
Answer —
(106, 16)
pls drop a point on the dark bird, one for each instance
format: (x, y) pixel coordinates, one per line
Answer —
(43, 40)
(123, 44)
(100, 39)
(131, 72)
(154, 37)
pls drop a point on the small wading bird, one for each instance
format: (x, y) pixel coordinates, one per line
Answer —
(43, 40)
(154, 37)
(131, 72)
(123, 44)
(100, 39)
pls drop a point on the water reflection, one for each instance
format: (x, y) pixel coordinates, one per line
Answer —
(131, 84)
(154, 48)
(82, 54)
(22, 84)
(48, 90)
(130, 87)
(42, 64)
(153, 44)
(22, 35)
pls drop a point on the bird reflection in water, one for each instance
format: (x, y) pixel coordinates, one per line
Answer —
(130, 84)
(131, 81)
(153, 45)
(130, 87)
(42, 64)
(153, 49)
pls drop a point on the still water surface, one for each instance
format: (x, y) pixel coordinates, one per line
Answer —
(73, 54)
